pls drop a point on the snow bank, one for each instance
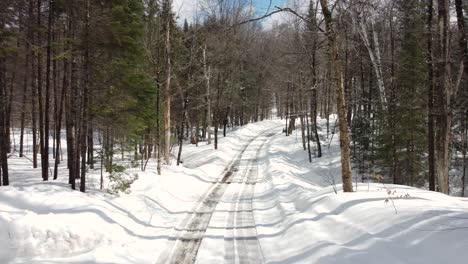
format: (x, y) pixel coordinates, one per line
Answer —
(298, 221)
(46, 222)
(297, 218)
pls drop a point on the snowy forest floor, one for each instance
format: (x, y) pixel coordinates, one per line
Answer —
(255, 199)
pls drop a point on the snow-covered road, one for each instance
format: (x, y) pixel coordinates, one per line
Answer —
(256, 199)
(224, 218)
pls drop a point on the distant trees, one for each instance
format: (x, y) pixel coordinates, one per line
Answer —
(111, 78)
(404, 88)
(125, 74)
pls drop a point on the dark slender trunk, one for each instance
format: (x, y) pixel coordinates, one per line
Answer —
(430, 97)
(465, 145)
(309, 152)
(287, 111)
(23, 102)
(217, 115)
(47, 95)
(3, 110)
(63, 98)
(56, 100)
(303, 135)
(462, 40)
(33, 88)
(181, 134)
(101, 181)
(90, 158)
(315, 126)
(84, 110)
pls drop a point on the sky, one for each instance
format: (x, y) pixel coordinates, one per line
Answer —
(187, 9)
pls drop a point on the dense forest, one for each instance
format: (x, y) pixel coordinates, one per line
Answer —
(128, 76)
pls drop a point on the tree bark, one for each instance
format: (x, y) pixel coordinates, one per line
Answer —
(430, 97)
(167, 91)
(85, 110)
(59, 118)
(3, 110)
(341, 106)
(47, 92)
(181, 134)
(206, 71)
(314, 121)
(442, 95)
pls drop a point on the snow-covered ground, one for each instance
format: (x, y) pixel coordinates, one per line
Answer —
(292, 215)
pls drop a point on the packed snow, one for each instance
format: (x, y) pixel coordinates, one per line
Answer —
(298, 211)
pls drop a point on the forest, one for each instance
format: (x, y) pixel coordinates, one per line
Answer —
(129, 76)
(233, 131)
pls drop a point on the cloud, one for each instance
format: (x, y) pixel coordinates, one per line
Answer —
(300, 6)
(185, 9)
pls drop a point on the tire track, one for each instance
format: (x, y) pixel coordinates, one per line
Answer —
(194, 226)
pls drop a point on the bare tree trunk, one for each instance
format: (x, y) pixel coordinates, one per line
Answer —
(71, 103)
(464, 147)
(90, 138)
(58, 127)
(167, 93)
(207, 97)
(40, 97)
(47, 92)
(304, 146)
(158, 125)
(25, 90)
(33, 87)
(341, 106)
(314, 121)
(374, 55)
(286, 129)
(181, 134)
(217, 115)
(462, 40)
(443, 92)
(309, 152)
(430, 97)
(3, 110)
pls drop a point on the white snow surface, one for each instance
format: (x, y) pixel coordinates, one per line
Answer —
(298, 216)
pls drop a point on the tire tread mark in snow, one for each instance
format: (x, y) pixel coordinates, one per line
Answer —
(187, 244)
(248, 248)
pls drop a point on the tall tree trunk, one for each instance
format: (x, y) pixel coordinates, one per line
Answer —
(462, 39)
(464, 149)
(42, 113)
(167, 91)
(47, 92)
(3, 110)
(71, 102)
(430, 96)
(181, 134)
(314, 121)
(85, 110)
(309, 152)
(207, 73)
(33, 87)
(90, 136)
(58, 127)
(442, 95)
(341, 106)
(25, 90)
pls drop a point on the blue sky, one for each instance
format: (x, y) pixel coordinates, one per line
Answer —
(187, 9)
(262, 5)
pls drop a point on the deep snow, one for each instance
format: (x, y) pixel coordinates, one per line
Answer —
(298, 219)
